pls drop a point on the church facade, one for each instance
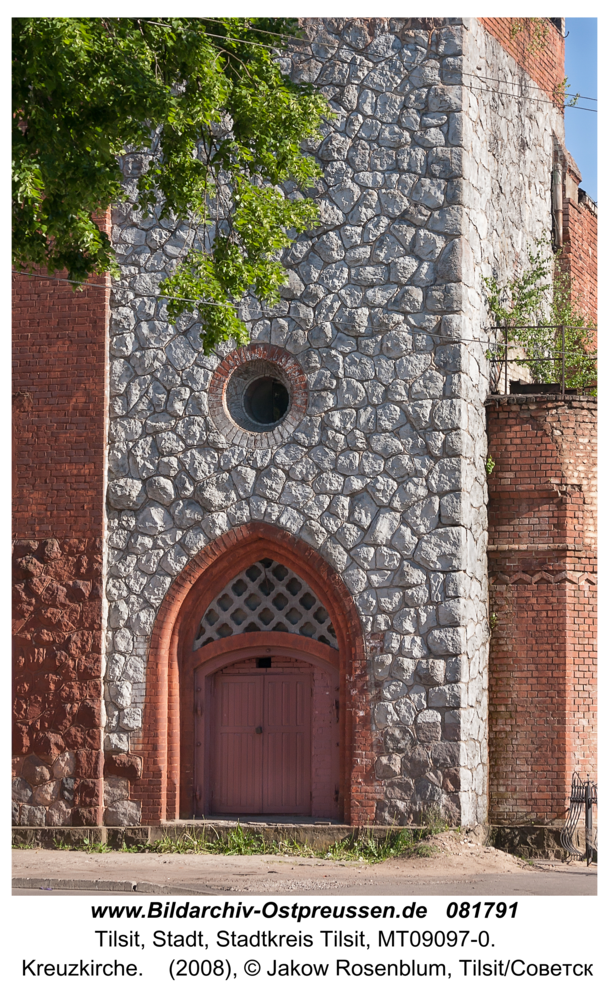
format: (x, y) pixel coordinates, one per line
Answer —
(256, 583)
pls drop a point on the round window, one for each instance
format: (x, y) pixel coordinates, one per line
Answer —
(266, 400)
(258, 395)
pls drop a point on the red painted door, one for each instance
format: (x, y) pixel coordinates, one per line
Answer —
(237, 748)
(261, 744)
(286, 753)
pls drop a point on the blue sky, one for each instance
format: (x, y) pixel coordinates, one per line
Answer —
(580, 70)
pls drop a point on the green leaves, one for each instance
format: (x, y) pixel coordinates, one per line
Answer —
(203, 278)
(537, 308)
(218, 127)
(244, 259)
(523, 301)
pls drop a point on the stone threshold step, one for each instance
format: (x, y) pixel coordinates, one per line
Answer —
(525, 840)
(313, 834)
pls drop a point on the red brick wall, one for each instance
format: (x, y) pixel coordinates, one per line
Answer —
(579, 257)
(544, 62)
(59, 392)
(542, 574)
(59, 408)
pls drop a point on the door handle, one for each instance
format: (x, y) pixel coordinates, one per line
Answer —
(258, 730)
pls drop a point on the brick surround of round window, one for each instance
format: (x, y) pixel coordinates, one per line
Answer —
(229, 384)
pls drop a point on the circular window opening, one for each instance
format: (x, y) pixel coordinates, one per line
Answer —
(258, 395)
(266, 400)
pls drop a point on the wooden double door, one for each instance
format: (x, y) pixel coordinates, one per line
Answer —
(260, 761)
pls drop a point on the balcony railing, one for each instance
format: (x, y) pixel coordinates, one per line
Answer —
(557, 361)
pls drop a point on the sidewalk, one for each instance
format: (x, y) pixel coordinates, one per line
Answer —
(460, 868)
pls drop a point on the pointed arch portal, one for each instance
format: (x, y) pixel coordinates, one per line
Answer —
(227, 732)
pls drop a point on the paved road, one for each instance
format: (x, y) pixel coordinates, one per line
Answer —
(550, 882)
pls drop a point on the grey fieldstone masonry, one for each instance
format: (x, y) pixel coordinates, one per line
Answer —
(432, 178)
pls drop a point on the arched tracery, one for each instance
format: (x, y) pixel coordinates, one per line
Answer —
(266, 597)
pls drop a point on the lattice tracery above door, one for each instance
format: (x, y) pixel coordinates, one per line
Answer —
(266, 597)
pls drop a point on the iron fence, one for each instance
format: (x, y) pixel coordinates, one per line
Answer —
(584, 795)
(500, 360)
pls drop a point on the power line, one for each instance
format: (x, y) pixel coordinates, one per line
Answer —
(274, 48)
(517, 97)
(494, 79)
(464, 73)
(124, 288)
(262, 31)
(229, 38)
(294, 38)
(306, 42)
(438, 336)
(521, 96)
(526, 97)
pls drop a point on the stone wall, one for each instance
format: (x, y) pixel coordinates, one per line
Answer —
(429, 182)
(542, 566)
(507, 134)
(436, 173)
(510, 134)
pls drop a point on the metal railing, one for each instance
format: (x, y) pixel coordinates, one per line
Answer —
(584, 794)
(500, 360)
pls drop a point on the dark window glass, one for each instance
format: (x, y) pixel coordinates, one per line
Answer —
(266, 400)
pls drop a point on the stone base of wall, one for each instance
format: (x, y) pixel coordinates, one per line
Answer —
(52, 838)
(533, 841)
(57, 698)
(523, 841)
(315, 835)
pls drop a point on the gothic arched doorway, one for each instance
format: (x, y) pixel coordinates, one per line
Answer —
(324, 647)
(266, 706)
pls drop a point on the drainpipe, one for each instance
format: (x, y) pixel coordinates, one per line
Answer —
(557, 202)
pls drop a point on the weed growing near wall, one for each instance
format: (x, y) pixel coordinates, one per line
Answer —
(534, 308)
(403, 842)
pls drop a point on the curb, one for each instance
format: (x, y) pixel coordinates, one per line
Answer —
(108, 885)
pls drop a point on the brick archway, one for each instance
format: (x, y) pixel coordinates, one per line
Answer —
(165, 787)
